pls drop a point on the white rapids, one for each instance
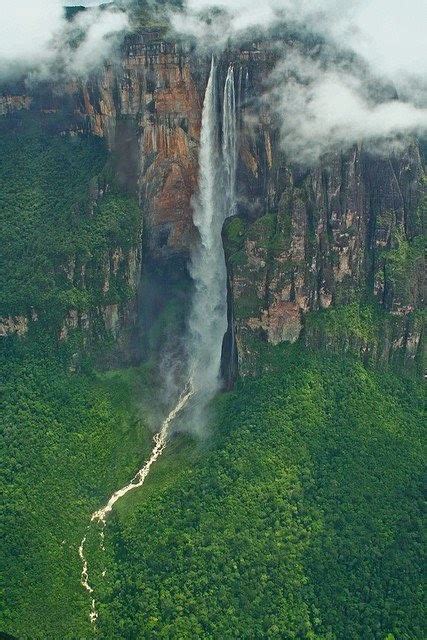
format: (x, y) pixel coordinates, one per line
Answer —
(160, 441)
(85, 581)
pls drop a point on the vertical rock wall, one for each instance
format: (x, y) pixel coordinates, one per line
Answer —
(344, 233)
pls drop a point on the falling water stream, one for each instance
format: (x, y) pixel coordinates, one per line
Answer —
(208, 314)
(229, 141)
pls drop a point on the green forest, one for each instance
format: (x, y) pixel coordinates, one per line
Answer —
(302, 519)
(299, 517)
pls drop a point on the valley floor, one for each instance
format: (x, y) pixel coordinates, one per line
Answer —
(299, 516)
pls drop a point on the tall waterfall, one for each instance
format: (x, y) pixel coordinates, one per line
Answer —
(208, 315)
(229, 140)
(217, 170)
(229, 155)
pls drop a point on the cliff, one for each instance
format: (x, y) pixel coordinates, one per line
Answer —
(330, 255)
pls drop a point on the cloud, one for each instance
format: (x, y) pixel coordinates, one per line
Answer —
(391, 36)
(324, 104)
(325, 100)
(35, 38)
(388, 34)
(101, 31)
(229, 20)
(218, 21)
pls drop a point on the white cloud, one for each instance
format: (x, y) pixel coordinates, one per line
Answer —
(390, 34)
(34, 37)
(324, 105)
(101, 29)
(26, 30)
(331, 108)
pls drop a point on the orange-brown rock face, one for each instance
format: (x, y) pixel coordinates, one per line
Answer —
(169, 178)
(154, 87)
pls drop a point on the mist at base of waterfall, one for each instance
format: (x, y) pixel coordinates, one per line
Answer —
(214, 202)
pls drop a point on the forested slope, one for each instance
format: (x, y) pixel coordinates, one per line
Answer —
(299, 516)
(303, 520)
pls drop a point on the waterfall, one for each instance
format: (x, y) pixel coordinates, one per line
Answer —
(208, 314)
(229, 140)
(160, 441)
(229, 157)
(215, 201)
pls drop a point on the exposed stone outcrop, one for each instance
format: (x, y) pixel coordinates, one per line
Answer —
(13, 325)
(11, 103)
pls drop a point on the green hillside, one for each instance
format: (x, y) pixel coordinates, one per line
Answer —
(299, 517)
(301, 520)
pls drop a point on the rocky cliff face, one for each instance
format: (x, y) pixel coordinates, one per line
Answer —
(340, 234)
(111, 316)
(149, 110)
(303, 243)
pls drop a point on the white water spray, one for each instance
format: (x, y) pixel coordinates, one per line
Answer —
(208, 316)
(229, 141)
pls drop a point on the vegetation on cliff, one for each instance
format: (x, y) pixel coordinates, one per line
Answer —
(403, 269)
(57, 222)
(149, 14)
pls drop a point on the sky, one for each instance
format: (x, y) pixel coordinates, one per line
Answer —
(390, 33)
(393, 35)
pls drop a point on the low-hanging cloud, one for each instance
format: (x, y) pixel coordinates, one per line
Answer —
(323, 104)
(229, 19)
(36, 39)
